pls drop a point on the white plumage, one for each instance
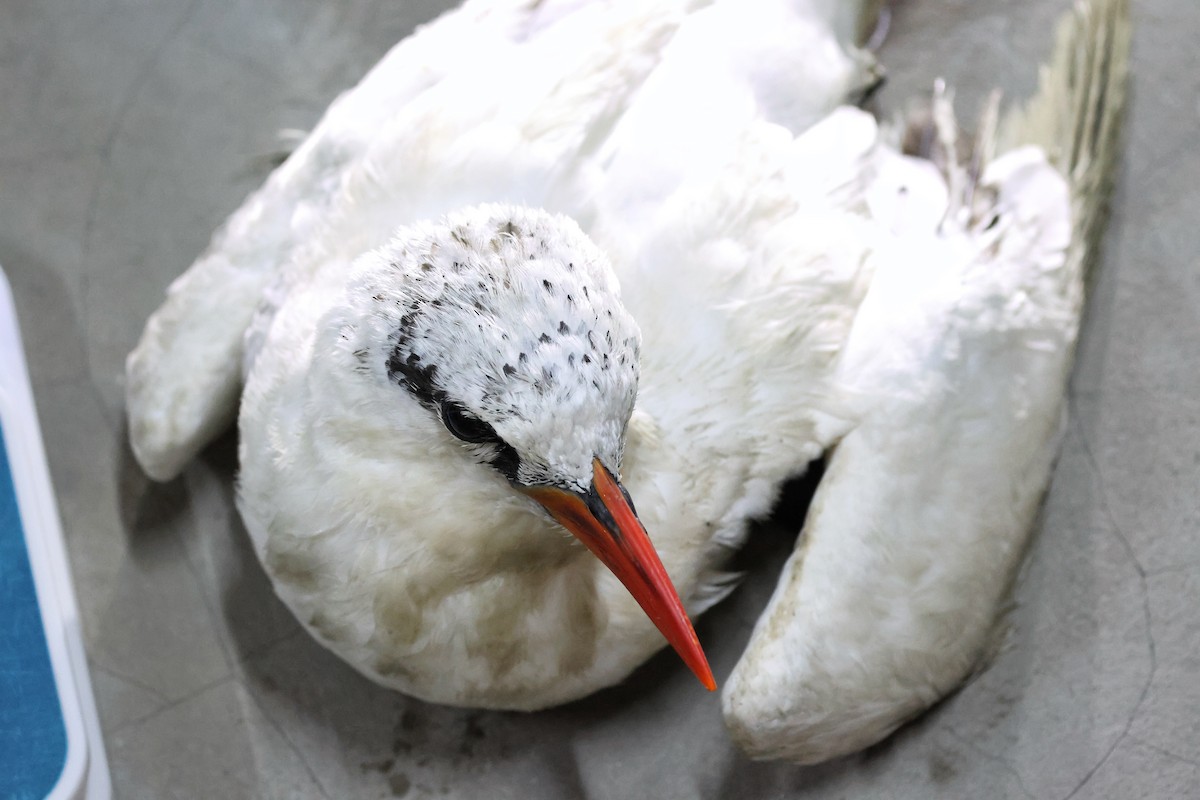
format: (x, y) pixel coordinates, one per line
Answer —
(797, 291)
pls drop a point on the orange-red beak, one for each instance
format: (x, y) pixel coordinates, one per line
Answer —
(603, 519)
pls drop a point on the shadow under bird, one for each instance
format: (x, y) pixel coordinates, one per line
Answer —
(638, 253)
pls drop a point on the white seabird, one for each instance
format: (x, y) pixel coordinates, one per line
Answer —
(796, 294)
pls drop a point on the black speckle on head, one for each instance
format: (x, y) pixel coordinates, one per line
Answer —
(522, 358)
(571, 360)
(608, 336)
(587, 359)
(549, 287)
(426, 266)
(570, 300)
(510, 229)
(544, 338)
(585, 293)
(591, 340)
(562, 327)
(420, 379)
(510, 370)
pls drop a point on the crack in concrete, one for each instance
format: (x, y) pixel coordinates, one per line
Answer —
(130, 94)
(1003, 762)
(266, 649)
(1164, 751)
(214, 618)
(116, 674)
(1151, 652)
(1189, 566)
(173, 704)
(278, 728)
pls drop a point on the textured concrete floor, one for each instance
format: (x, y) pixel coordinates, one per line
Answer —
(129, 130)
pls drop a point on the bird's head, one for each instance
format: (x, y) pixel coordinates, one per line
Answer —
(506, 325)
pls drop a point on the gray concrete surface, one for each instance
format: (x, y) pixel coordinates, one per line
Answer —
(129, 130)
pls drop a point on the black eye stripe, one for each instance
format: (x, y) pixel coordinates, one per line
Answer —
(466, 426)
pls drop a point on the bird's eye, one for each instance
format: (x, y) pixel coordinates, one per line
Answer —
(465, 426)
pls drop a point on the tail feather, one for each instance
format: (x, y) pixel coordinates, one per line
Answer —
(1076, 114)
(1075, 117)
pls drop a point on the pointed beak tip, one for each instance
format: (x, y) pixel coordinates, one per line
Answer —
(604, 520)
(697, 662)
